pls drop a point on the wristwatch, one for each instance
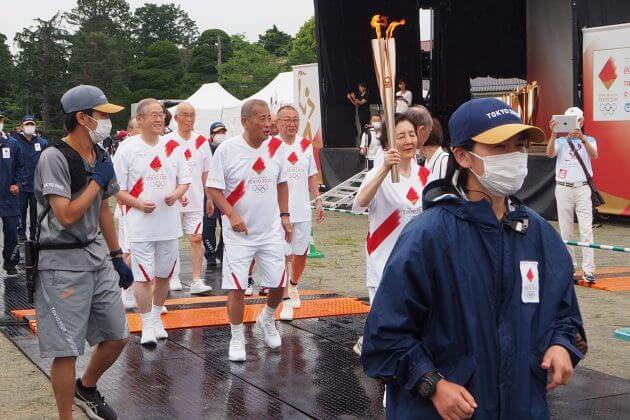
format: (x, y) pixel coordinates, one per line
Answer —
(428, 383)
(283, 214)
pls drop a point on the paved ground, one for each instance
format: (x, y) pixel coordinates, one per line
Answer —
(25, 391)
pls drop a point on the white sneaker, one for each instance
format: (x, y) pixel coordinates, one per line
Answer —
(286, 314)
(237, 350)
(358, 346)
(250, 287)
(148, 335)
(197, 287)
(164, 310)
(175, 283)
(294, 294)
(158, 329)
(128, 298)
(271, 334)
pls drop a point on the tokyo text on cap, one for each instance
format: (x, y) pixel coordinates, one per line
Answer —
(83, 97)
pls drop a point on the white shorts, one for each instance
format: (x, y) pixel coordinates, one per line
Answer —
(300, 239)
(192, 222)
(122, 234)
(269, 262)
(153, 259)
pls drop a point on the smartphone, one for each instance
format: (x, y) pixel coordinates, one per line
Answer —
(565, 123)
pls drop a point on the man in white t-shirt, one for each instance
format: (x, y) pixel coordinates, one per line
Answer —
(370, 146)
(248, 182)
(404, 97)
(302, 180)
(573, 194)
(151, 183)
(197, 154)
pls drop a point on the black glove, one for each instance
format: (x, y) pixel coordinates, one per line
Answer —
(103, 172)
(123, 270)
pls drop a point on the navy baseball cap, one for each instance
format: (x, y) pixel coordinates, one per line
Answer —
(216, 126)
(28, 118)
(84, 97)
(488, 121)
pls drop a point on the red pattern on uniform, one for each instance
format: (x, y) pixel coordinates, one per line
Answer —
(304, 143)
(155, 164)
(144, 273)
(237, 194)
(236, 282)
(200, 141)
(273, 146)
(172, 269)
(292, 158)
(423, 173)
(135, 192)
(170, 146)
(187, 154)
(381, 233)
(412, 196)
(282, 279)
(259, 166)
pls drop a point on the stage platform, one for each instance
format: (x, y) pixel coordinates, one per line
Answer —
(314, 375)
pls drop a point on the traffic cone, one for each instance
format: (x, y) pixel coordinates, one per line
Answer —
(312, 250)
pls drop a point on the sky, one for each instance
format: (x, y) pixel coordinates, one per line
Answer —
(251, 17)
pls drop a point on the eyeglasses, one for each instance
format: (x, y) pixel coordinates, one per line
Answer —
(294, 121)
(186, 115)
(155, 115)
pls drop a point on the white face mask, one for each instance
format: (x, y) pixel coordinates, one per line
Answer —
(29, 130)
(218, 138)
(1, 126)
(102, 130)
(503, 175)
(377, 125)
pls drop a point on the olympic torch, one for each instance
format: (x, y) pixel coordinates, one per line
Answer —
(384, 53)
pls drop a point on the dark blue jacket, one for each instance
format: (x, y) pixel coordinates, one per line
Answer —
(11, 173)
(31, 156)
(450, 300)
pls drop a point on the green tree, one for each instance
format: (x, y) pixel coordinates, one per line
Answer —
(158, 73)
(164, 22)
(304, 48)
(250, 69)
(42, 68)
(7, 69)
(202, 66)
(111, 17)
(275, 41)
(239, 42)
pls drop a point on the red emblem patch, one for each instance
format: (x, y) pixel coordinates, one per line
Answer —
(292, 158)
(412, 196)
(259, 166)
(155, 164)
(200, 141)
(304, 144)
(187, 154)
(530, 275)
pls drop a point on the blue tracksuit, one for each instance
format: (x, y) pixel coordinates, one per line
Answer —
(31, 151)
(11, 173)
(451, 300)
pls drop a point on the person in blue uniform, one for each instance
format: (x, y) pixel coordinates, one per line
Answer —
(11, 177)
(476, 314)
(32, 146)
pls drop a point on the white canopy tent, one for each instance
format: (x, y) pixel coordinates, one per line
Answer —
(210, 102)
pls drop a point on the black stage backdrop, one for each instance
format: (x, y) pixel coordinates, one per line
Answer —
(345, 58)
(480, 38)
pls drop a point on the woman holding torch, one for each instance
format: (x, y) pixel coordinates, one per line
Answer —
(390, 205)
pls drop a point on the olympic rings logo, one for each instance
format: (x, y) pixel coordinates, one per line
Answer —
(158, 184)
(294, 176)
(607, 108)
(259, 188)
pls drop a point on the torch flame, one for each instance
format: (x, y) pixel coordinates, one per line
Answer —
(377, 22)
(389, 33)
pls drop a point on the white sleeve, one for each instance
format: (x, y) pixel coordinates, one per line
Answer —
(363, 140)
(121, 169)
(206, 152)
(356, 207)
(216, 174)
(410, 97)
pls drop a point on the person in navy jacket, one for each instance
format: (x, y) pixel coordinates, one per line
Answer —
(476, 314)
(11, 177)
(32, 147)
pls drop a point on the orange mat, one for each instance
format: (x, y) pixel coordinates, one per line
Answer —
(610, 279)
(206, 317)
(212, 299)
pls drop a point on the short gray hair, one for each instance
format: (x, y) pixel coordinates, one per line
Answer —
(144, 104)
(286, 107)
(420, 115)
(248, 107)
(183, 105)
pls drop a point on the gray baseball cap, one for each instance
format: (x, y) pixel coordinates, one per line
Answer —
(84, 97)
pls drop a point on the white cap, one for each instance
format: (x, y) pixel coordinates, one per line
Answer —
(574, 110)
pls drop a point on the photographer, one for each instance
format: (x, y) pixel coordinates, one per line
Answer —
(77, 295)
(573, 194)
(370, 144)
